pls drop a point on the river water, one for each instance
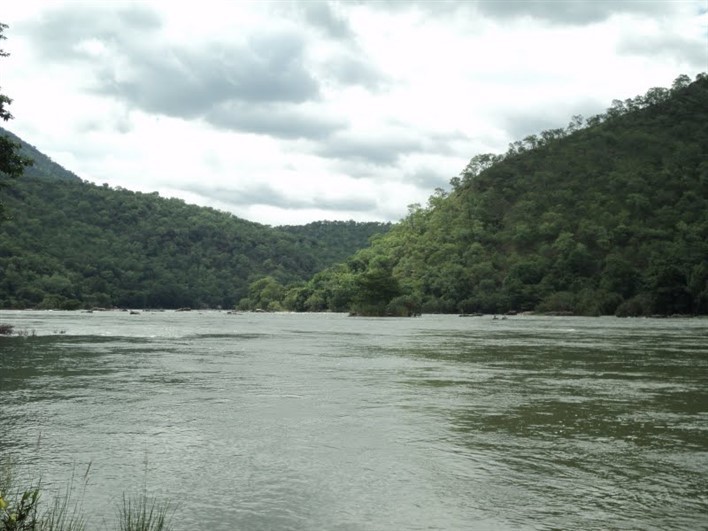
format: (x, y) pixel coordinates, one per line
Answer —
(323, 421)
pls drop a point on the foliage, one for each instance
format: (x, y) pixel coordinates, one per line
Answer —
(73, 244)
(19, 514)
(608, 215)
(20, 509)
(12, 163)
(334, 240)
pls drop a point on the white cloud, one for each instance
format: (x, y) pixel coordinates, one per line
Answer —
(292, 112)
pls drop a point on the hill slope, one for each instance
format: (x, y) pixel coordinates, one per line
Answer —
(42, 166)
(73, 244)
(608, 215)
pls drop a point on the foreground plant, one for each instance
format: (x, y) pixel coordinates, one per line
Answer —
(62, 517)
(143, 514)
(21, 512)
(19, 515)
(16, 513)
(21, 509)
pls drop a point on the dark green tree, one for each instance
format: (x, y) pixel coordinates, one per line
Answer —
(12, 163)
(376, 287)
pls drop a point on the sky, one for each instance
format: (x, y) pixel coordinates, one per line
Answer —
(289, 112)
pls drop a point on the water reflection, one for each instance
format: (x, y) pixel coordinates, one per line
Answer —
(617, 432)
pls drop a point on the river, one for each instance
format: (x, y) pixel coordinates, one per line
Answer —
(328, 422)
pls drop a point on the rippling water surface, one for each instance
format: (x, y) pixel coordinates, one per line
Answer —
(321, 421)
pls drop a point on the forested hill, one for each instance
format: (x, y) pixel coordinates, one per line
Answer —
(608, 215)
(72, 244)
(42, 166)
(336, 239)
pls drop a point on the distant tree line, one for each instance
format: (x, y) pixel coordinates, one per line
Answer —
(72, 244)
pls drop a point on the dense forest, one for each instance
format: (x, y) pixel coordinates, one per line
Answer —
(71, 244)
(608, 215)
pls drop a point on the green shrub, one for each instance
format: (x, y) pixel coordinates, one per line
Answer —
(19, 513)
(641, 305)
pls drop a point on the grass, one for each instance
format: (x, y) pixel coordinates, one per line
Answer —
(143, 514)
(23, 510)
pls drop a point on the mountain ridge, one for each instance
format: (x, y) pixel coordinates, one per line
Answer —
(606, 216)
(43, 166)
(73, 244)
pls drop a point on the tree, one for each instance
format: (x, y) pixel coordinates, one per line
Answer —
(12, 163)
(376, 287)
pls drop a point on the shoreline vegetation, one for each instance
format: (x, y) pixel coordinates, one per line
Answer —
(25, 509)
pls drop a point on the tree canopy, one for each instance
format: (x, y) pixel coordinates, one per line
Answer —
(74, 244)
(608, 215)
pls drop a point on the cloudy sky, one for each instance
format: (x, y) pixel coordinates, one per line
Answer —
(293, 111)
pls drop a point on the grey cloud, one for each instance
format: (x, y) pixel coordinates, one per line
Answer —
(322, 16)
(118, 124)
(288, 122)
(519, 125)
(427, 179)
(58, 32)
(350, 65)
(182, 80)
(386, 150)
(276, 63)
(438, 7)
(266, 194)
(444, 143)
(174, 84)
(352, 70)
(693, 52)
(377, 151)
(188, 83)
(576, 12)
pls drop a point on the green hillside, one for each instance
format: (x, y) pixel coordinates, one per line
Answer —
(42, 166)
(334, 240)
(72, 244)
(608, 215)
